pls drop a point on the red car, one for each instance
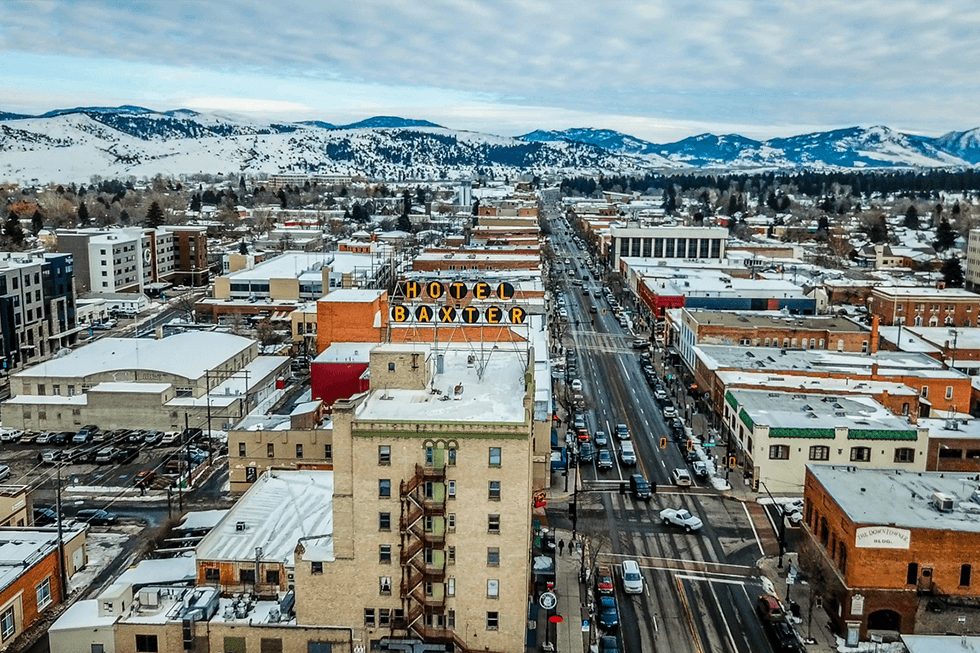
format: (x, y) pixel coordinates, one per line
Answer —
(144, 478)
(604, 580)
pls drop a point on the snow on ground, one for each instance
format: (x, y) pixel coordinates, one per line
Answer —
(102, 549)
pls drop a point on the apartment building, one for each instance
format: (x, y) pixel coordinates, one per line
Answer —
(916, 306)
(37, 307)
(190, 263)
(971, 271)
(892, 552)
(120, 260)
(667, 243)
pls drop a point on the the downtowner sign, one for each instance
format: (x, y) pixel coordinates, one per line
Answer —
(882, 537)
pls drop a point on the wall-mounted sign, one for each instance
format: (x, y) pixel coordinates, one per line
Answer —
(882, 537)
(468, 314)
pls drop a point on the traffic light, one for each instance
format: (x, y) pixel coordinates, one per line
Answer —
(690, 445)
(731, 462)
(663, 443)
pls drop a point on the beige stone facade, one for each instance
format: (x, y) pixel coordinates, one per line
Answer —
(253, 452)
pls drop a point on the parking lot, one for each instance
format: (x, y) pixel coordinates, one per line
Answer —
(79, 469)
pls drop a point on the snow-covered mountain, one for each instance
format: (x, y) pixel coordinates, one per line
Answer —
(855, 147)
(75, 144)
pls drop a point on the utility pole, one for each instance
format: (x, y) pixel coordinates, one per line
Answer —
(62, 572)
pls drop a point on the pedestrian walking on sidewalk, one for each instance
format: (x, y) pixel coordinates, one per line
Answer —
(561, 546)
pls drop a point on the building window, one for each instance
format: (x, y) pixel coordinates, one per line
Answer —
(384, 521)
(904, 455)
(494, 491)
(7, 623)
(212, 575)
(430, 456)
(328, 451)
(97, 648)
(912, 574)
(272, 576)
(384, 554)
(451, 457)
(495, 456)
(451, 555)
(451, 489)
(949, 392)
(924, 392)
(493, 556)
(965, 572)
(384, 455)
(493, 620)
(779, 452)
(384, 617)
(861, 454)
(493, 588)
(270, 450)
(493, 523)
(270, 645)
(246, 576)
(451, 522)
(384, 488)
(41, 389)
(299, 450)
(819, 452)
(391, 367)
(369, 617)
(451, 586)
(316, 567)
(146, 644)
(384, 585)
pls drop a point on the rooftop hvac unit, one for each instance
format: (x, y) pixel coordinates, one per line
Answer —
(240, 526)
(943, 502)
(150, 598)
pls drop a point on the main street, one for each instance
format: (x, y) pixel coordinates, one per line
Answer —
(700, 588)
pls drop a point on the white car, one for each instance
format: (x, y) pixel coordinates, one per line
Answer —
(632, 578)
(4, 472)
(681, 477)
(577, 385)
(682, 518)
(10, 435)
(670, 412)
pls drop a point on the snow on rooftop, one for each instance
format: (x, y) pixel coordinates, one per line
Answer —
(352, 295)
(201, 519)
(130, 386)
(496, 396)
(187, 355)
(20, 549)
(163, 570)
(82, 614)
(901, 499)
(784, 410)
(346, 352)
(277, 512)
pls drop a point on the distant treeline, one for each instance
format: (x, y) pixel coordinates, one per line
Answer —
(920, 184)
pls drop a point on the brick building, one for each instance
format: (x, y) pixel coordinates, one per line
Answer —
(916, 306)
(891, 551)
(191, 255)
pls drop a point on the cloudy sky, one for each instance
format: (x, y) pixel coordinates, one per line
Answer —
(659, 69)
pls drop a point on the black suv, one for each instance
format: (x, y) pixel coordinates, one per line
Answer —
(640, 488)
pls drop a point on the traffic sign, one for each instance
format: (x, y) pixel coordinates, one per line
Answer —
(548, 600)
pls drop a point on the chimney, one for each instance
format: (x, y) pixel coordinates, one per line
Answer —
(874, 371)
(874, 335)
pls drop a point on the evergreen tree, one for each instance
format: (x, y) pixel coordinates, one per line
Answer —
(823, 225)
(124, 216)
(82, 214)
(945, 236)
(37, 222)
(911, 218)
(13, 230)
(241, 183)
(242, 248)
(476, 206)
(404, 224)
(196, 203)
(282, 198)
(420, 195)
(953, 272)
(406, 202)
(154, 216)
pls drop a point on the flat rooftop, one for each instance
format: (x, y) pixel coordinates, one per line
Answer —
(901, 499)
(187, 354)
(773, 359)
(789, 411)
(768, 320)
(280, 509)
(707, 283)
(906, 292)
(352, 296)
(799, 383)
(21, 549)
(495, 396)
(294, 265)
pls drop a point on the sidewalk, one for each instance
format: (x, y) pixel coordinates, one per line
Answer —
(813, 625)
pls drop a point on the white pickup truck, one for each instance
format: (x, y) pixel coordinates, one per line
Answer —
(681, 518)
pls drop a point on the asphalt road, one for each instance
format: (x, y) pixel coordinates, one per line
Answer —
(700, 588)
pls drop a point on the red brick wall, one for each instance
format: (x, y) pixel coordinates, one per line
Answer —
(27, 584)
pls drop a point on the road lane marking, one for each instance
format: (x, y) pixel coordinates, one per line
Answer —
(724, 619)
(689, 616)
(754, 532)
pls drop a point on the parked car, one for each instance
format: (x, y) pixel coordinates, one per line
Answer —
(681, 477)
(28, 437)
(106, 455)
(126, 455)
(44, 516)
(604, 459)
(604, 580)
(659, 393)
(608, 612)
(10, 435)
(609, 644)
(62, 437)
(586, 453)
(95, 516)
(4, 472)
(701, 468)
(681, 518)
(577, 385)
(640, 488)
(169, 438)
(144, 478)
(632, 578)
(640, 343)
(152, 437)
(50, 457)
(669, 411)
(45, 438)
(82, 437)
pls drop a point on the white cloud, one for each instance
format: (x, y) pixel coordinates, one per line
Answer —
(756, 63)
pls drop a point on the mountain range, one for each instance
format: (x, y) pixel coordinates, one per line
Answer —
(76, 144)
